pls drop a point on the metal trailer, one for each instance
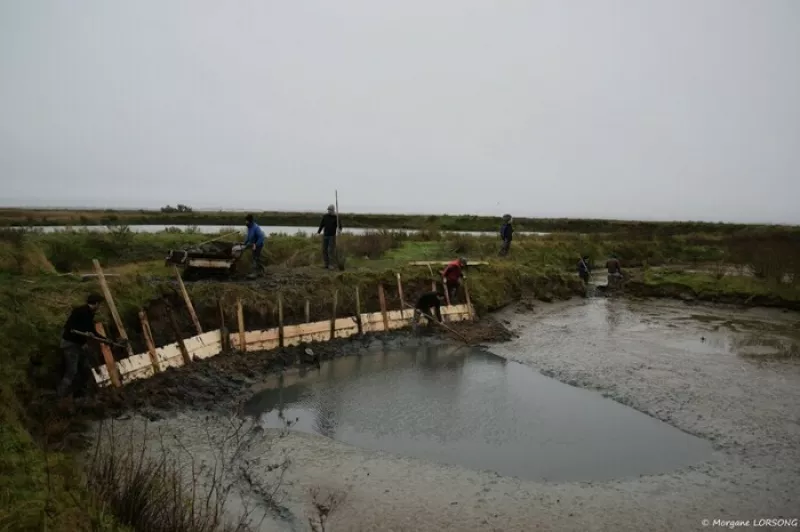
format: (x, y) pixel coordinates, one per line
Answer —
(217, 259)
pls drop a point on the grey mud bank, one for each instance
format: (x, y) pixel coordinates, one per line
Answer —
(729, 376)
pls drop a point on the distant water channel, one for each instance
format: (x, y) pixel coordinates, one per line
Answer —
(471, 408)
(214, 229)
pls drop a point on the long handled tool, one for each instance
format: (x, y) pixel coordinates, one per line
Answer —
(339, 255)
(98, 339)
(431, 318)
(220, 237)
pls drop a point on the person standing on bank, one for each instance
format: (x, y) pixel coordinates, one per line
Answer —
(331, 227)
(77, 330)
(584, 270)
(255, 239)
(506, 234)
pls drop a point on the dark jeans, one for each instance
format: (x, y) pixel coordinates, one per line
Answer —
(257, 266)
(452, 289)
(328, 249)
(76, 369)
(504, 247)
(584, 276)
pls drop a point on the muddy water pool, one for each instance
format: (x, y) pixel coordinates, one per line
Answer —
(467, 407)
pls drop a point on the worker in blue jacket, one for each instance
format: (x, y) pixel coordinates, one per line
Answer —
(255, 240)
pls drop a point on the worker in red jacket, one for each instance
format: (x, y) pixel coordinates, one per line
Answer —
(452, 275)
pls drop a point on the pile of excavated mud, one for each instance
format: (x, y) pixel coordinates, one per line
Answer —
(485, 330)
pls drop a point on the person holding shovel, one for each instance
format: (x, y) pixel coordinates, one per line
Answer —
(452, 275)
(329, 226)
(78, 329)
(426, 302)
(255, 239)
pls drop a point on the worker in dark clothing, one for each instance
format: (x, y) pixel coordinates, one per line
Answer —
(506, 234)
(614, 271)
(79, 326)
(426, 302)
(452, 275)
(331, 226)
(255, 240)
(584, 269)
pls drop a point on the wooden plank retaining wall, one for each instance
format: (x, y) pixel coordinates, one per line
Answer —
(209, 344)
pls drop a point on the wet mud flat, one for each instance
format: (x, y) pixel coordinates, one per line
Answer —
(723, 375)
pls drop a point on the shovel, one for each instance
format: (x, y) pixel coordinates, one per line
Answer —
(101, 340)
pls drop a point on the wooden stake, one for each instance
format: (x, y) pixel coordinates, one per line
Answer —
(173, 323)
(240, 316)
(188, 301)
(382, 300)
(359, 325)
(446, 292)
(111, 306)
(308, 311)
(333, 314)
(400, 291)
(466, 296)
(108, 357)
(148, 340)
(280, 320)
(433, 286)
(223, 331)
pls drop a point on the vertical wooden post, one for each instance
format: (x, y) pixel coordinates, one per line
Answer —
(148, 340)
(433, 286)
(280, 319)
(111, 306)
(402, 301)
(308, 311)
(469, 302)
(358, 313)
(240, 317)
(173, 323)
(223, 331)
(108, 357)
(382, 300)
(446, 292)
(188, 301)
(333, 314)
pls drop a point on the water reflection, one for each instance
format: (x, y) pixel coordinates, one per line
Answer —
(467, 407)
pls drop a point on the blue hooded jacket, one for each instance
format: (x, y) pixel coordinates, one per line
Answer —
(255, 235)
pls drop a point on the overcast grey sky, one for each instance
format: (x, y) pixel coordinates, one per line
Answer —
(670, 109)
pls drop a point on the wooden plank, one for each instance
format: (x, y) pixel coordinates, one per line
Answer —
(188, 301)
(280, 320)
(333, 314)
(222, 264)
(382, 300)
(443, 263)
(223, 332)
(446, 291)
(108, 357)
(173, 323)
(112, 307)
(308, 311)
(148, 340)
(240, 317)
(466, 296)
(358, 313)
(400, 292)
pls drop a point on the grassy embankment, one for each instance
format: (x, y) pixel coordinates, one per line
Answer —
(446, 222)
(41, 486)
